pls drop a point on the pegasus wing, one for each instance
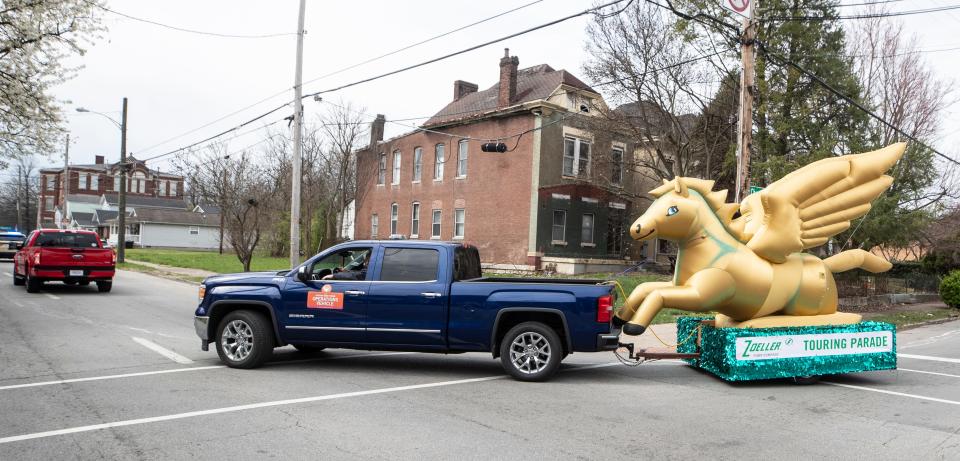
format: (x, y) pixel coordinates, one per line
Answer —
(808, 206)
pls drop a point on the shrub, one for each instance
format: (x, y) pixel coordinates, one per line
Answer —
(950, 289)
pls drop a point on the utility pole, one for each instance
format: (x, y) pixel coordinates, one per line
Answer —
(122, 215)
(297, 158)
(744, 131)
(65, 189)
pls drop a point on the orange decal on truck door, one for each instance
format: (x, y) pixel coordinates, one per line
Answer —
(325, 299)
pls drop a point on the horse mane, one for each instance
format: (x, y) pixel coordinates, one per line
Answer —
(715, 199)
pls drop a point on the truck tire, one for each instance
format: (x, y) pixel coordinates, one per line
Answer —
(531, 351)
(33, 284)
(18, 280)
(105, 287)
(244, 339)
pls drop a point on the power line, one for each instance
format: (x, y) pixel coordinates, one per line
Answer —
(863, 16)
(182, 29)
(786, 62)
(404, 48)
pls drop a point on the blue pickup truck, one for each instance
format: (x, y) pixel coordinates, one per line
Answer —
(407, 296)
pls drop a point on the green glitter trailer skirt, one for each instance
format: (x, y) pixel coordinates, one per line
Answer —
(743, 354)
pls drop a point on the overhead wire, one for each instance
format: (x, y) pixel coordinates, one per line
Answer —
(183, 29)
(890, 14)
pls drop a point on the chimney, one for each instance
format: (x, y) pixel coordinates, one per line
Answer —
(508, 79)
(99, 160)
(462, 88)
(376, 130)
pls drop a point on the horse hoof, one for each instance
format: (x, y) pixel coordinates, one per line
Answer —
(618, 322)
(633, 329)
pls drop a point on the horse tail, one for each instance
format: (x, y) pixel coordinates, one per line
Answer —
(856, 259)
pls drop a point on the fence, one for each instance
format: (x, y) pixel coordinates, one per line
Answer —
(902, 281)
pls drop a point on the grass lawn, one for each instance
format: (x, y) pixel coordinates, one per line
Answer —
(207, 260)
(905, 318)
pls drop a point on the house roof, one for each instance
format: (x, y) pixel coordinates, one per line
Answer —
(83, 219)
(111, 166)
(207, 208)
(102, 216)
(81, 198)
(169, 216)
(146, 201)
(533, 83)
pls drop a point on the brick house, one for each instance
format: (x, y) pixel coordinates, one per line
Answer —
(559, 199)
(95, 180)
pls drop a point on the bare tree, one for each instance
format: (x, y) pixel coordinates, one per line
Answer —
(19, 189)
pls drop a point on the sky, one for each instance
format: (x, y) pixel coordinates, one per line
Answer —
(182, 87)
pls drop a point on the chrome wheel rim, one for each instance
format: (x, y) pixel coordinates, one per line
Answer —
(237, 340)
(530, 352)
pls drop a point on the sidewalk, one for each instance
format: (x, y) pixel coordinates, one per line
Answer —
(179, 273)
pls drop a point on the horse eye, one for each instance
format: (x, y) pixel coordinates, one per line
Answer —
(672, 211)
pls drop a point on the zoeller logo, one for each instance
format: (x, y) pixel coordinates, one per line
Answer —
(759, 345)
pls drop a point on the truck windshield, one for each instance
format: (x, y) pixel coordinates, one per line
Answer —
(67, 240)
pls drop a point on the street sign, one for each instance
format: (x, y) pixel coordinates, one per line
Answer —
(755, 189)
(739, 5)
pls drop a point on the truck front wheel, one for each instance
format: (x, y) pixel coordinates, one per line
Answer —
(531, 351)
(244, 339)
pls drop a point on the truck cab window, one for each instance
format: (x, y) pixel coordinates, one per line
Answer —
(347, 264)
(409, 265)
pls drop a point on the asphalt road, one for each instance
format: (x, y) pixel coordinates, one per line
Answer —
(85, 375)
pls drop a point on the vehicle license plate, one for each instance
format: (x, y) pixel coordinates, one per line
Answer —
(76, 273)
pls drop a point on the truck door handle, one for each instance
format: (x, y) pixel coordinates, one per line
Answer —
(355, 292)
(430, 294)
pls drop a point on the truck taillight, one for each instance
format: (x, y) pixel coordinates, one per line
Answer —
(604, 308)
(36, 259)
(114, 259)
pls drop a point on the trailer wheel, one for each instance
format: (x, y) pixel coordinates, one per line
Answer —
(531, 351)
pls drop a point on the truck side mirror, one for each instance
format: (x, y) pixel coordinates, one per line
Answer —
(302, 274)
(18, 246)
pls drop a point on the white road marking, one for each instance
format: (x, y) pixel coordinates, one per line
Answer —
(927, 357)
(929, 372)
(15, 303)
(99, 378)
(900, 394)
(929, 340)
(253, 406)
(51, 296)
(177, 370)
(8, 274)
(163, 351)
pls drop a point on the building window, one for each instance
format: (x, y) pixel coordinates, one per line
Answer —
(396, 168)
(116, 183)
(48, 203)
(586, 229)
(458, 223)
(415, 220)
(194, 230)
(374, 225)
(139, 183)
(51, 182)
(615, 230)
(172, 185)
(616, 175)
(436, 224)
(462, 158)
(394, 215)
(417, 164)
(95, 182)
(382, 169)
(162, 188)
(559, 234)
(82, 181)
(576, 157)
(438, 162)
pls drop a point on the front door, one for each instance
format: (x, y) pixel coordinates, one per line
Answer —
(331, 305)
(408, 298)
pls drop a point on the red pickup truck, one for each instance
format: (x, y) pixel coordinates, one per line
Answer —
(74, 257)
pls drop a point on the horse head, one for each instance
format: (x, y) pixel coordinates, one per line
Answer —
(674, 214)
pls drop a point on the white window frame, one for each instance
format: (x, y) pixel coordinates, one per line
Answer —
(162, 187)
(194, 230)
(396, 167)
(394, 218)
(436, 220)
(415, 220)
(593, 230)
(439, 158)
(577, 150)
(553, 226)
(95, 182)
(382, 169)
(417, 164)
(116, 183)
(459, 223)
(82, 181)
(51, 182)
(48, 203)
(616, 174)
(463, 148)
(374, 225)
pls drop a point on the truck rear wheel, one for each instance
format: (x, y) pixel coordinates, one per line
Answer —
(17, 279)
(244, 339)
(33, 284)
(531, 351)
(104, 287)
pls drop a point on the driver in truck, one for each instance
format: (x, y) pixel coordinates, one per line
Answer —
(355, 270)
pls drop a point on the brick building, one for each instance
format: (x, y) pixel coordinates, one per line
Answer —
(560, 198)
(97, 179)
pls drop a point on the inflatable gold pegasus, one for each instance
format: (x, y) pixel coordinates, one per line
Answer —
(750, 269)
